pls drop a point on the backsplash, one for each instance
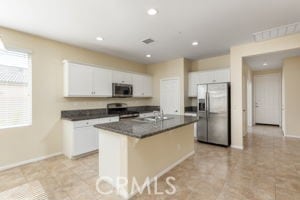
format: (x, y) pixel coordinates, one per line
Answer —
(190, 109)
(103, 111)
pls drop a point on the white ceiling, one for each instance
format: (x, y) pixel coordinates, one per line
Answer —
(273, 60)
(123, 24)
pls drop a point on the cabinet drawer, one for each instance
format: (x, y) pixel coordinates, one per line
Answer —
(92, 122)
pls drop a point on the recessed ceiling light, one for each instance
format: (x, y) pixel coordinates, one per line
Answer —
(265, 64)
(148, 55)
(195, 43)
(99, 38)
(152, 11)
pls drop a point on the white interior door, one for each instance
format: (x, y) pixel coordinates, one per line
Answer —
(267, 99)
(244, 85)
(170, 96)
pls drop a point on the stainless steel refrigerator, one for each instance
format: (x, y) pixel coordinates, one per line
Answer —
(214, 113)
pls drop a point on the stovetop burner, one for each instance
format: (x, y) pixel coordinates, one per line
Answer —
(121, 110)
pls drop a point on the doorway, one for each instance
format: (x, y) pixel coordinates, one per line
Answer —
(170, 96)
(267, 99)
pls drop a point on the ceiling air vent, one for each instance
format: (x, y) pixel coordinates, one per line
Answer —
(148, 41)
(277, 32)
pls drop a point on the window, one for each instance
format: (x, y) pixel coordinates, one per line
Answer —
(15, 89)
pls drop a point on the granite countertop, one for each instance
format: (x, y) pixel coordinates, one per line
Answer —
(137, 129)
(78, 115)
(87, 117)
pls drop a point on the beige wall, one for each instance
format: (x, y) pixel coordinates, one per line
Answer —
(247, 109)
(291, 108)
(169, 69)
(172, 146)
(236, 55)
(217, 62)
(267, 71)
(44, 136)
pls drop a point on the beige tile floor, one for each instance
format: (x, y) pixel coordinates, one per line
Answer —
(268, 168)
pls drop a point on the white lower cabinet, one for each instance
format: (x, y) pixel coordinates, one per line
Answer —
(85, 140)
(80, 137)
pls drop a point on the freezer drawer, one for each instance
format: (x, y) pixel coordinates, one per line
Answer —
(217, 129)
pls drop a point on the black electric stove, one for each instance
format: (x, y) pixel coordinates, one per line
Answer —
(121, 109)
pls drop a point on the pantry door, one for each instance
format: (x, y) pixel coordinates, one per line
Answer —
(170, 96)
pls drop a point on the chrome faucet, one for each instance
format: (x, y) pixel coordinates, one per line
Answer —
(158, 115)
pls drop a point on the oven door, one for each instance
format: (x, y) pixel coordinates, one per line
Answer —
(122, 90)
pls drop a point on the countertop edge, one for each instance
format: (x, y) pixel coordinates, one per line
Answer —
(87, 117)
(148, 135)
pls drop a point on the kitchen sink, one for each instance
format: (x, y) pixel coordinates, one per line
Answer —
(151, 119)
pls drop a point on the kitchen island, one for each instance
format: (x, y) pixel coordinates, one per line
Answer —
(139, 150)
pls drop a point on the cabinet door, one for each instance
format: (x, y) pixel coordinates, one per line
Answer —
(102, 80)
(138, 85)
(122, 77)
(206, 77)
(193, 84)
(80, 80)
(222, 75)
(85, 140)
(147, 81)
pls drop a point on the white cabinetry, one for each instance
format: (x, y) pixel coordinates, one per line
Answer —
(222, 75)
(80, 137)
(194, 80)
(122, 77)
(102, 80)
(78, 80)
(203, 77)
(142, 85)
(86, 81)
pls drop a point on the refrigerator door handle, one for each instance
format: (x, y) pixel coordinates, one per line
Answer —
(207, 104)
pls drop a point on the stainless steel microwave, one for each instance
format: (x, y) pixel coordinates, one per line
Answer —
(121, 90)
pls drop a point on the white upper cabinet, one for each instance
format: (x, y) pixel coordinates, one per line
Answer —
(142, 85)
(86, 81)
(222, 75)
(78, 80)
(148, 86)
(102, 82)
(193, 82)
(122, 77)
(203, 77)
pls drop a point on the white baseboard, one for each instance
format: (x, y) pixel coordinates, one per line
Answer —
(237, 147)
(5, 167)
(292, 136)
(126, 195)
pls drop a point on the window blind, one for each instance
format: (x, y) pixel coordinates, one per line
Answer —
(15, 89)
